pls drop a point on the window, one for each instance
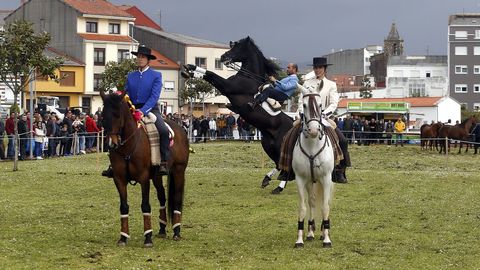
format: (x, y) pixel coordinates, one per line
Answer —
(130, 29)
(476, 88)
(476, 50)
(428, 74)
(460, 50)
(122, 55)
(476, 69)
(477, 34)
(416, 89)
(218, 64)
(92, 27)
(97, 79)
(169, 86)
(460, 34)
(114, 28)
(201, 62)
(99, 57)
(461, 69)
(476, 107)
(461, 88)
(67, 78)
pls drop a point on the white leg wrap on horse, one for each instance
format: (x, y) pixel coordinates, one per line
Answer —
(147, 214)
(283, 184)
(147, 232)
(300, 236)
(124, 216)
(125, 234)
(272, 172)
(162, 207)
(177, 212)
(176, 225)
(201, 70)
(163, 222)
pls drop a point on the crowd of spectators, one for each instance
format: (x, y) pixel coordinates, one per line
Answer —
(52, 136)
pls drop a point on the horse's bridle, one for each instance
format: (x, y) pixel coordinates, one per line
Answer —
(315, 115)
(245, 72)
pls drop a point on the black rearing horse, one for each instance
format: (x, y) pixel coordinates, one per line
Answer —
(241, 88)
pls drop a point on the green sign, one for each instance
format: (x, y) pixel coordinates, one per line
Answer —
(378, 106)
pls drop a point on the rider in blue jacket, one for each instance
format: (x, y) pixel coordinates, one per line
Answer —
(143, 87)
(281, 90)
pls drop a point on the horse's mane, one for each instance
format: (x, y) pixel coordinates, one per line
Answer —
(111, 103)
(465, 121)
(271, 68)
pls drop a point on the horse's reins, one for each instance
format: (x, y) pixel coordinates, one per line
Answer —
(314, 111)
(247, 73)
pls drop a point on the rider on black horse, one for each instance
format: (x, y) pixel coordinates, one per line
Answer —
(279, 90)
(143, 87)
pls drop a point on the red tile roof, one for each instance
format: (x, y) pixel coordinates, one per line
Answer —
(140, 17)
(414, 102)
(162, 62)
(114, 38)
(96, 7)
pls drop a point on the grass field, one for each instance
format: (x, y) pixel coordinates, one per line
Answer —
(403, 209)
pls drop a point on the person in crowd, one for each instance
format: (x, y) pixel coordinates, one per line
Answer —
(204, 128)
(399, 129)
(280, 90)
(52, 132)
(212, 125)
(24, 136)
(39, 138)
(2, 134)
(348, 128)
(379, 131)
(92, 132)
(64, 137)
(221, 126)
(10, 130)
(230, 124)
(389, 129)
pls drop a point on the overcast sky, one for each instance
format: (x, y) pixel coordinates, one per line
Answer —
(298, 30)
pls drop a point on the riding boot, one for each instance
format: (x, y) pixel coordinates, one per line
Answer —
(338, 175)
(162, 169)
(108, 172)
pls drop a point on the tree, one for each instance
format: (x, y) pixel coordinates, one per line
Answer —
(195, 89)
(22, 61)
(365, 90)
(115, 74)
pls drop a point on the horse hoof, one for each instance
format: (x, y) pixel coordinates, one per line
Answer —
(298, 245)
(121, 243)
(177, 238)
(266, 181)
(277, 190)
(310, 238)
(148, 245)
(327, 244)
(162, 235)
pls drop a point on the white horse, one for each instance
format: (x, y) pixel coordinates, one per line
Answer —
(313, 163)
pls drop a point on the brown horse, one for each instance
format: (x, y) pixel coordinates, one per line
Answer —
(425, 136)
(130, 158)
(458, 132)
(435, 129)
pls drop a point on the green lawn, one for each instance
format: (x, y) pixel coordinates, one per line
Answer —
(403, 209)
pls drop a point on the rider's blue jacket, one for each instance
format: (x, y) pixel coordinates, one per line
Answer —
(144, 88)
(287, 85)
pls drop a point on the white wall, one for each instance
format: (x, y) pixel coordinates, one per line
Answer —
(102, 25)
(449, 109)
(211, 54)
(399, 78)
(170, 97)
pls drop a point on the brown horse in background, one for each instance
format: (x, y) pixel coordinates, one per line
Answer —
(425, 136)
(130, 158)
(435, 128)
(458, 132)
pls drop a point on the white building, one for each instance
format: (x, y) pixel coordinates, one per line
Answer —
(417, 76)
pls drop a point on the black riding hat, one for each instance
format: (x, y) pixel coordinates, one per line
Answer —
(145, 51)
(320, 62)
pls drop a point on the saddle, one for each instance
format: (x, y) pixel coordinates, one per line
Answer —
(272, 106)
(148, 123)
